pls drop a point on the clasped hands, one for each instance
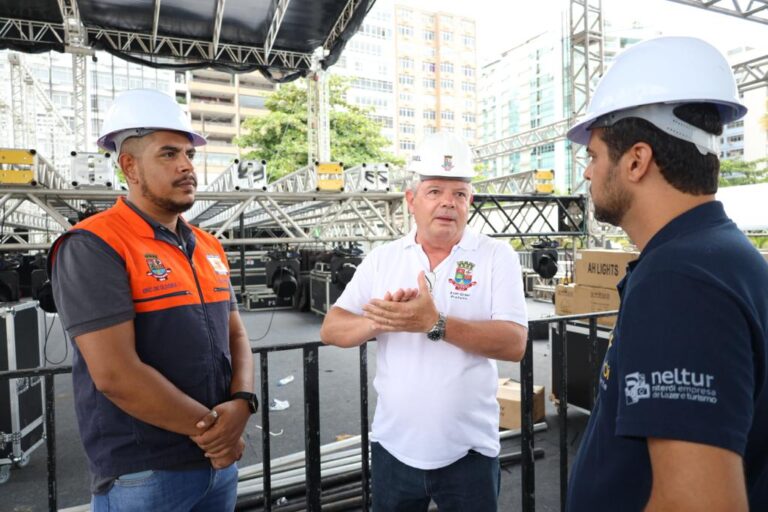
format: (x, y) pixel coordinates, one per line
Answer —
(221, 433)
(404, 310)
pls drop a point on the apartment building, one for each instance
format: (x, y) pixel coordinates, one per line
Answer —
(417, 69)
(218, 103)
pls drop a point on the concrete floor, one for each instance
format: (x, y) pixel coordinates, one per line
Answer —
(339, 391)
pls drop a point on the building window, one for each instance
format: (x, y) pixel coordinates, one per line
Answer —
(429, 114)
(406, 97)
(446, 115)
(407, 145)
(469, 134)
(407, 112)
(405, 30)
(468, 40)
(427, 66)
(446, 67)
(467, 87)
(428, 83)
(428, 19)
(407, 128)
(406, 80)
(406, 62)
(372, 84)
(468, 71)
(446, 83)
(430, 129)
(735, 138)
(429, 35)
(468, 117)
(384, 121)
(446, 35)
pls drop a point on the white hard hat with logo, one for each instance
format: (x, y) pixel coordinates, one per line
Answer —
(138, 112)
(652, 78)
(443, 155)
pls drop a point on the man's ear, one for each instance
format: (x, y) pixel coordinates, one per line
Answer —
(638, 161)
(127, 163)
(409, 199)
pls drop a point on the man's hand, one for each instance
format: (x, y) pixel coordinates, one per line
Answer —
(402, 295)
(220, 433)
(416, 314)
(222, 462)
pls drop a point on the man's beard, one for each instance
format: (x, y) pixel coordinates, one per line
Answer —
(163, 202)
(616, 200)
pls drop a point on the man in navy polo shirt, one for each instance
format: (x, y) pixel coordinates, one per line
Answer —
(681, 422)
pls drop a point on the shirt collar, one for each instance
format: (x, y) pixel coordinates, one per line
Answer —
(469, 239)
(161, 232)
(697, 218)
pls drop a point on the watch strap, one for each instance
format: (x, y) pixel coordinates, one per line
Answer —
(250, 398)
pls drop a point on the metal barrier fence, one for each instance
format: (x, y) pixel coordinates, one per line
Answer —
(311, 372)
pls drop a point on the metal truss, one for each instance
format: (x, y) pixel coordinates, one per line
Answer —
(297, 218)
(141, 44)
(529, 216)
(586, 58)
(341, 23)
(274, 26)
(752, 10)
(752, 74)
(522, 141)
(511, 184)
(37, 122)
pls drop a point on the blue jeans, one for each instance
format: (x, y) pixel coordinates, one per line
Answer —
(194, 490)
(470, 483)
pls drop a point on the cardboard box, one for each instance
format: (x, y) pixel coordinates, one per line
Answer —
(574, 299)
(510, 410)
(601, 268)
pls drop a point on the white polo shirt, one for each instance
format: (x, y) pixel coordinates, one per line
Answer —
(436, 401)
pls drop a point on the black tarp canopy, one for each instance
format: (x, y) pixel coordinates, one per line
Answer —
(230, 35)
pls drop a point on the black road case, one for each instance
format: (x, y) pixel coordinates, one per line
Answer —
(22, 425)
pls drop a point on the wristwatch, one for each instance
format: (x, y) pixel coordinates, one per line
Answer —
(437, 332)
(250, 398)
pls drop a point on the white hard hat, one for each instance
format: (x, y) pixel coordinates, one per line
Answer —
(670, 71)
(443, 155)
(137, 112)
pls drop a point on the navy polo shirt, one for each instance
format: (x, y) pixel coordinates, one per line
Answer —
(687, 361)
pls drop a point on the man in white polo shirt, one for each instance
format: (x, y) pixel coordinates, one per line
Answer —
(444, 303)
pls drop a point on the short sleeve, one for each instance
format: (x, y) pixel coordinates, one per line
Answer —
(90, 285)
(232, 298)
(359, 290)
(508, 295)
(684, 361)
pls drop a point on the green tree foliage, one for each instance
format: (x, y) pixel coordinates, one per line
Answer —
(280, 137)
(738, 172)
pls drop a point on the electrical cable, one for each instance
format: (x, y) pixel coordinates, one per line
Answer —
(47, 335)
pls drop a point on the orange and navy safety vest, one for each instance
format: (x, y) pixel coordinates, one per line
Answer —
(182, 307)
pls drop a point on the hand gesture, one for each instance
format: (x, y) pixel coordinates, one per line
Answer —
(417, 314)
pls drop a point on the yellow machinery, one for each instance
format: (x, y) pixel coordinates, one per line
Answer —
(17, 166)
(544, 181)
(330, 176)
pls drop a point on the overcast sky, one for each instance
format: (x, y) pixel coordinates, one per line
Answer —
(502, 24)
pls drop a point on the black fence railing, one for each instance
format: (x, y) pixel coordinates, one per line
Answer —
(311, 372)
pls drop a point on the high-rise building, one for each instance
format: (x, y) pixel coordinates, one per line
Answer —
(526, 89)
(417, 69)
(218, 103)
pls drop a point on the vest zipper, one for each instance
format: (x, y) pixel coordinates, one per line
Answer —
(207, 320)
(164, 296)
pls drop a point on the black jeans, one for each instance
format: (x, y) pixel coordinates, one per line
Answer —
(469, 484)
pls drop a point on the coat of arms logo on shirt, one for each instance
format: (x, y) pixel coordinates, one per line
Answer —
(156, 267)
(447, 162)
(462, 279)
